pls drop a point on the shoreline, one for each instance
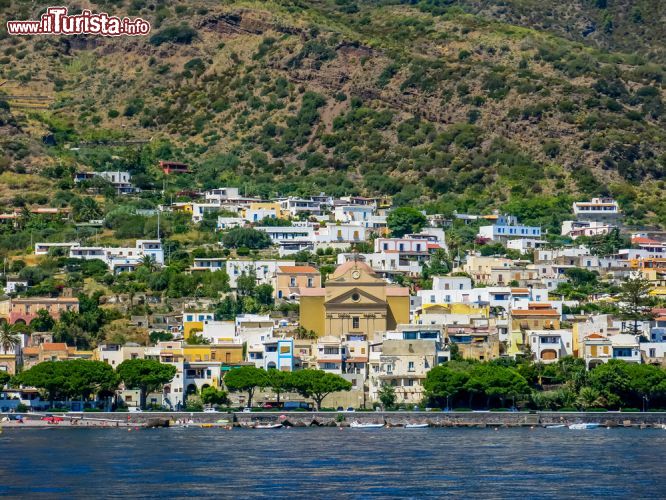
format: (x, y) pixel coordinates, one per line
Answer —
(398, 419)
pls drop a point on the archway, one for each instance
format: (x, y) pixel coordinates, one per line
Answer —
(549, 354)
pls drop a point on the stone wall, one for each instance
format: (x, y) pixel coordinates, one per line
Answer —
(435, 418)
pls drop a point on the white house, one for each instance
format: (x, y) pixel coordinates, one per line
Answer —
(506, 228)
(264, 270)
(120, 259)
(598, 209)
(229, 222)
(549, 346)
(354, 213)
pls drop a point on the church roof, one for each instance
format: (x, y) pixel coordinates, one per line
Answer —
(352, 264)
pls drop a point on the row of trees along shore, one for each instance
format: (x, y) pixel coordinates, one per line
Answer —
(85, 380)
(564, 385)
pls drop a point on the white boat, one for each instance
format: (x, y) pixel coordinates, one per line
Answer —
(584, 426)
(556, 426)
(416, 426)
(359, 425)
(268, 426)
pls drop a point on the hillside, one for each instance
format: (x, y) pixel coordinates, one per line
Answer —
(467, 105)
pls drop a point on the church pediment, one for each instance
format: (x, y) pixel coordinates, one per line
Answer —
(355, 297)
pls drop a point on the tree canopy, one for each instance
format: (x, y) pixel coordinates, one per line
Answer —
(405, 220)
(246, 379)
(317, 384)
(147, 375)
(246, 237)
(76, 378)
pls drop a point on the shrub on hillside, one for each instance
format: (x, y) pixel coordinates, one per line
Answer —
(182, 34)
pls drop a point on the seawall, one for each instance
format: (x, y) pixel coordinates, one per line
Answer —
(397, 418)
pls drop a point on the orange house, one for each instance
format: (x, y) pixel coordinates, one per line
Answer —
(289, 279)
(25, 310)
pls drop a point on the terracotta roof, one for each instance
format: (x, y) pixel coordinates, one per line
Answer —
(595, 336)
(329, 361)
(312, 292)
(520, 290)
(343, 268)
(54, 346)
(538, 305)
(357, 360)
(298, 269)
(645, 241)
(31, 350)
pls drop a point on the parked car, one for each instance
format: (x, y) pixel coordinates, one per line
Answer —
(350, 409)
(210, 410)
(247, 409)
(267, 406)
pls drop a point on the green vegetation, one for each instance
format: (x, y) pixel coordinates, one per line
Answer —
(318, 384)
(613, 385)
(147, 375)
(405, 220)
(246, 379)
(64, 380)
(448, 109)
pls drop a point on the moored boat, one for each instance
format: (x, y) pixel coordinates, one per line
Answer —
(359, 425)
(416, 426)
(584, 426)
(556, 426)
(267, 426)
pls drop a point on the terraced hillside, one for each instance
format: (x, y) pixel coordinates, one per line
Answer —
(445, 105)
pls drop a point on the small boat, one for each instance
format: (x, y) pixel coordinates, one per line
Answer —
(556, 426)
(359, 425)
(584, 426)
(416, 426)
(268, 426)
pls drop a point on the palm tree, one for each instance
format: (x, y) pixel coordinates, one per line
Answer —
(149, 263)
(9, 337)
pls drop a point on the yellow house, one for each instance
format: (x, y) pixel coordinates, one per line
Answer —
(536, 317)
(184, 207)
(222, 353)
(355, 301)
(8, 363)
(260, 210)
(194, 320)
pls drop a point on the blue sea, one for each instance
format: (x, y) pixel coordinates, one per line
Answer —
(331, 463)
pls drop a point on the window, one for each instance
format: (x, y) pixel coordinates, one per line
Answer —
(310, 282)
(292, 281)
(410, 366)
(356, 322)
